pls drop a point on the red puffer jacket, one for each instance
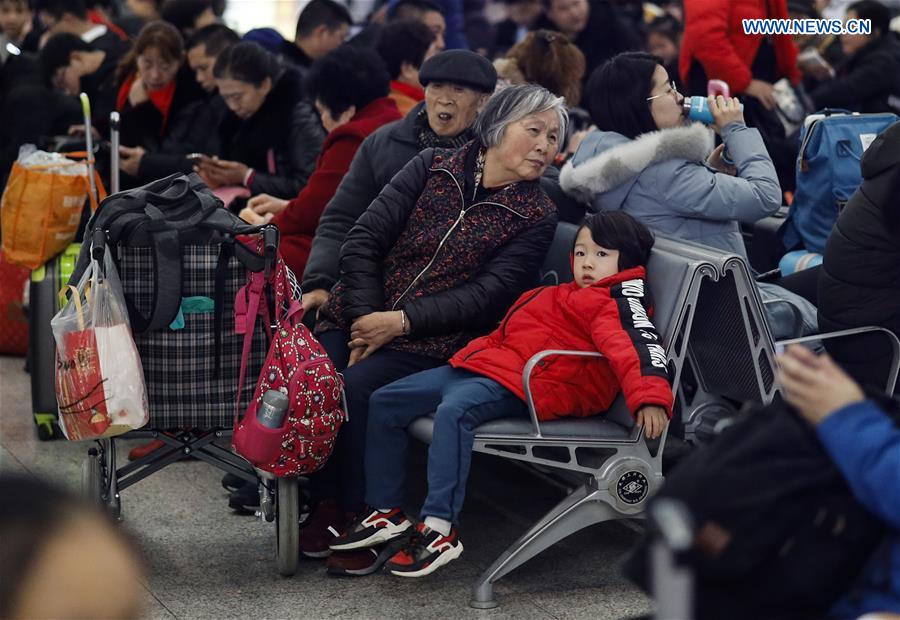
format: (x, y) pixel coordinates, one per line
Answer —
(298, 222)
(714, 36)
(608, 316)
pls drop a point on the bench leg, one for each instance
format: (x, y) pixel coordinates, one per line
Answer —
(583, 507)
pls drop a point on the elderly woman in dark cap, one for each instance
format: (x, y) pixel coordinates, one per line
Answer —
(434, 261)
(457, 84)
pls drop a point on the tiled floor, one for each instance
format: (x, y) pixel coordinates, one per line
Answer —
(205, 562)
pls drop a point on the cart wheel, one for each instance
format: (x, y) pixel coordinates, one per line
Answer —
(287, 526)
(91, 483)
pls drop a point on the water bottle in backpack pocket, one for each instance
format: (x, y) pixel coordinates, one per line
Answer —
(297, 368)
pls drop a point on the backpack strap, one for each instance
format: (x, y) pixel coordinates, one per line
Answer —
(254, 291)
(167, 273)
(257, 304)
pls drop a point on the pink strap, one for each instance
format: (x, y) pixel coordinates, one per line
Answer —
(256, 305)
(255, 290)
(270, 160)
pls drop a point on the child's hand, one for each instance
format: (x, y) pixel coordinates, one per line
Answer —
(815, 385)
(653, 419)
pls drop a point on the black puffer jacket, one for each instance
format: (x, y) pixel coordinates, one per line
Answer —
(378, 159)
(860, 280)
(454, 264)
(869, 81)
(286, 124)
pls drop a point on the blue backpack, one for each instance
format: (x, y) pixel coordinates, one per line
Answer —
(832, 143)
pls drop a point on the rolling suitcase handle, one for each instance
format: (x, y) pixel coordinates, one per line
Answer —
(114, 151)
(89, 142)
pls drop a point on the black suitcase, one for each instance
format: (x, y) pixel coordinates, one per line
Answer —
(44, 303)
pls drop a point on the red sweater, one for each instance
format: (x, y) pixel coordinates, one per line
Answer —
(608, 316)
(298, 222)
(714, 36)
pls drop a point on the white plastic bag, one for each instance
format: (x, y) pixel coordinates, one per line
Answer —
(99, 379)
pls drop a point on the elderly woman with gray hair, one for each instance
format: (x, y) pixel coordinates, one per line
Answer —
(435, 260)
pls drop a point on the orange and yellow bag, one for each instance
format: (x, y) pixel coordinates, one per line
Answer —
(41, 209)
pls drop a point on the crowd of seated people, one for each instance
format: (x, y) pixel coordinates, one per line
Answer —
(417, 161)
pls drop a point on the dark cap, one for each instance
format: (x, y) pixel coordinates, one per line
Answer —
(460, 67)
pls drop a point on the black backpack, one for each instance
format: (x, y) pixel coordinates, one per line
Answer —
(779, 533)
(168, 214)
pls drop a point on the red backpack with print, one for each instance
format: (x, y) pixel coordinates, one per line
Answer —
(297, 366)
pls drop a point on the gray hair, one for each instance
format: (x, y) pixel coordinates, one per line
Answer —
(513, 104)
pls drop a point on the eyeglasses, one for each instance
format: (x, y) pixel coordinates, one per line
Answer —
(671, 91)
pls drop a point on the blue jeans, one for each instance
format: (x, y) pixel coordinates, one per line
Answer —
(343, 476)
(461, 401)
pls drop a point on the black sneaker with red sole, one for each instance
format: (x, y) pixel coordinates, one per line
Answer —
(372, 528)
(360, 562)
(425, 552)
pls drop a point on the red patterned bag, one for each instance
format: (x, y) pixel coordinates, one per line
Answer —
(297, 366)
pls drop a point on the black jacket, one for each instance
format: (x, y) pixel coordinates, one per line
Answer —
(453, 262)
(285, 124)
(18, 72)
(378, 159)
(166, 142)
(866, 81)
(607, 33)
(102, 88)
(296, 57)
(860, 280)
(504, 37)
(193, 130)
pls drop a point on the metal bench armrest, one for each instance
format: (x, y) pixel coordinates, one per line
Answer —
(532, 363)
(891, 336)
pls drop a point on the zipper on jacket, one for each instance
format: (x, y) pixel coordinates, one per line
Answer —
(517, 308)
(462, 213)
(473, 353)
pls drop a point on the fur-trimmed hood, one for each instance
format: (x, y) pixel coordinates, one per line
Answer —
(608, 160)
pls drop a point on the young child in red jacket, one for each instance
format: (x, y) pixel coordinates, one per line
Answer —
(604, 309)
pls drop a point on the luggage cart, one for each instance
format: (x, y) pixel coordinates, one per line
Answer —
(102, 480)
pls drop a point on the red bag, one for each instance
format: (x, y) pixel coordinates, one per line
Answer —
(13, 322)
(99, 379)
(79, 380)
(298, 366)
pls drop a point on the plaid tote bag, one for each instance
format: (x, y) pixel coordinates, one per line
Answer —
(191, 374)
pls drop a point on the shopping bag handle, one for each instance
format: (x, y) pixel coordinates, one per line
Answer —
(76, 299)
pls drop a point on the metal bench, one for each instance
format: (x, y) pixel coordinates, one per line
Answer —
(608, 455)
